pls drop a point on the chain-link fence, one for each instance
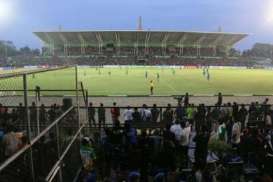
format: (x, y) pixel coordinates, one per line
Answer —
(41, 114)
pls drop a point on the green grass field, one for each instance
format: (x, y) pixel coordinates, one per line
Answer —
(227, 81)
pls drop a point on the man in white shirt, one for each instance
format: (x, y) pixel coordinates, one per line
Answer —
(145, 113)
(127, 114)
(185, 137)
(236, 134)
(176, 129)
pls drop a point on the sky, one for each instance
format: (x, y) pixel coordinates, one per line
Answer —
(19, 18)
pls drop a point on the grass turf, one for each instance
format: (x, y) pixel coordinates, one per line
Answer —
(227, 81)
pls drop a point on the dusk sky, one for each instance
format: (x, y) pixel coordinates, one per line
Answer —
(19, 18)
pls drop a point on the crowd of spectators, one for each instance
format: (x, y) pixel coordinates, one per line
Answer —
(186, 142)
(13, 125)
(130, 60)
(198, 143)
(14, 136)
(92, 61)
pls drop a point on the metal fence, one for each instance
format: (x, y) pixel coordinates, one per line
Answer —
(157, 118)
(47, 135)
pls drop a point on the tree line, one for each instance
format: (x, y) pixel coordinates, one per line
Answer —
(8, 49)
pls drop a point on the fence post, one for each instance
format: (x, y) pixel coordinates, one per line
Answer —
(37, 99)
(59, 151)
(160, 115)
(27, 117)
(87, 115)
(77, 96)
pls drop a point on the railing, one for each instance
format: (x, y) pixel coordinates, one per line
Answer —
(156, 118)
(45, 150)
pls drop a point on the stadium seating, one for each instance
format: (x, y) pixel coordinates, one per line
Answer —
(101, 60)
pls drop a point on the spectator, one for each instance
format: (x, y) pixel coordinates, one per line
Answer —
(136, 116)
(236, 134)
(265, 102)
(11, 142)
(199, 116)
(88, 157)
(145, 114)
(190, 112)
(21, 112)
(269, 155)
(168, 114)
(222, 131)
(115, 112)
(134, 176)
(128, 115)
(179, 112)
(101, 115)
(13, 115)
(51, 113)
(131, 134)
(186, 99)
(33, 112)
(201, 149)
(185, 138)
(168, 134)
(235, 111)
(91, 115)
(155, 113)
(176, 129)
(220, 99)
(268, 120)
(242, 115)
(43, 114)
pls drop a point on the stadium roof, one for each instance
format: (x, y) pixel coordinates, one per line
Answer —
(127, 38)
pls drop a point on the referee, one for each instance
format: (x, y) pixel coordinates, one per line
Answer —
(152, 87)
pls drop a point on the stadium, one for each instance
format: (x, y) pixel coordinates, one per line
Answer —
(136, 106)
(157, 54)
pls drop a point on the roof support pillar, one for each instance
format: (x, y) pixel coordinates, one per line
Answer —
(117, 42)
(215, 43)
(51, 45)
(65, 43)
(147, 38)
(181, 50)
(181, 44)
(164, 44)
(227, 50)
(214, 50)
(52, 48)
(136, 49)
(83, 44)
(199, 43)
(198, 51)
(65, 49)
(100, 42)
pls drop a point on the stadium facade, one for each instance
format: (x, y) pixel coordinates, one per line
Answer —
(138, 43)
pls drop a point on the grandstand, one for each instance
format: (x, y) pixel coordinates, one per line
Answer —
(139, 44)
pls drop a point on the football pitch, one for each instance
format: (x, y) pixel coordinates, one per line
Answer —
(171, 81)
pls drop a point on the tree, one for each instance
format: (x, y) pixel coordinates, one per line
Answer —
(25, 50)
(36, 52)
(234, 52)
(7, 49)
